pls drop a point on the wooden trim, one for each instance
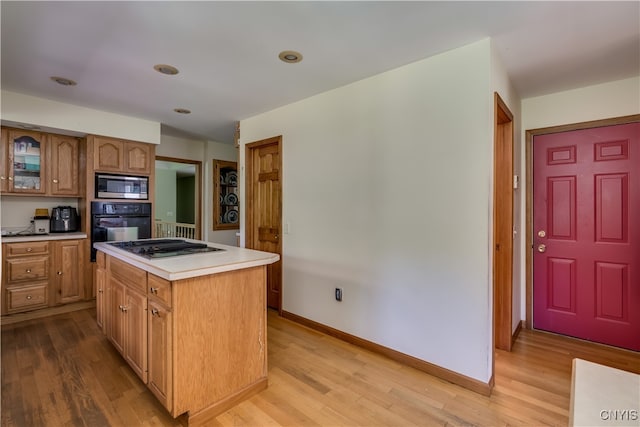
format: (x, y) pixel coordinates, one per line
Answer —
(502, 225)
(419, 364)
(529, 135)
(199, 186)
(46, 312)
(208, 414)
(514, 337)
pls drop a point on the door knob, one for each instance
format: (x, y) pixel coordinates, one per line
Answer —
(542, 248)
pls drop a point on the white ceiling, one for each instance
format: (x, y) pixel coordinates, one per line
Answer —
(227, 52)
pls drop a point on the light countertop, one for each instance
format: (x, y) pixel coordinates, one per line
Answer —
(603, 396)
(42, 237)
(187, 266)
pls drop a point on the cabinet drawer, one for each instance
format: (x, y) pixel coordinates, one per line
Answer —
(28, 268)
(160, 289)
(25, 298)
(128, 274)
(27, 248)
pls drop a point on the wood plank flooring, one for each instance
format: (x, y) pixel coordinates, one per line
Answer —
(61, 371)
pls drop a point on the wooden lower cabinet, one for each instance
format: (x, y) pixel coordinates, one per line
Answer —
(100, 281)
(68, 271)
(127, 325)
(201, 347)
(42, 274)
(159, 352)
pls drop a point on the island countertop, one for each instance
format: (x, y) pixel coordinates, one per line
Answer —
(195, 265)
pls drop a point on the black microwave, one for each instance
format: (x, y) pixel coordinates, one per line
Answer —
(121, 187)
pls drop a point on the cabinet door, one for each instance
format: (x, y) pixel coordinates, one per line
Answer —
(135, 349)
(4, 160)
(101, 281)
(138, 157)
(108, 154)
(64, 165)
(101, 290)
(116, 324)
(27, 162)
(160, 349)
(68, 267)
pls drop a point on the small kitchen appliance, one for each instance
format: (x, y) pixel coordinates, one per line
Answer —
(64, 219)
(41, 221)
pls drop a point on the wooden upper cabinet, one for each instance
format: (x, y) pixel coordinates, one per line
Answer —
(108, 154)
(138, 157)
(121, 156)
(64, 165)
(4, 160)
(26, 162)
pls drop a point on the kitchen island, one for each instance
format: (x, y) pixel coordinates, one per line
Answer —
(192, 327)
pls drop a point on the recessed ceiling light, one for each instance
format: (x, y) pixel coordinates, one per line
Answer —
(182, 111)
(290, 56)
(169, 70)
(64, 82)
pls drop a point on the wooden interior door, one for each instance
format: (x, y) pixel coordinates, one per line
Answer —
(586, 234)
(264, 208)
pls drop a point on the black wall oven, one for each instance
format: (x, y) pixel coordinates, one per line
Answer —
(119, 221)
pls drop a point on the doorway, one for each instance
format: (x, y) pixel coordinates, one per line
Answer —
(502, 225)
(178, 198)
(583, 194)
(264, 208)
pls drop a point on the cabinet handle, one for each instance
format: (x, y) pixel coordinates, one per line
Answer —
(55, 181)
(28, 270)
(153, 290)
(10, 178)
(29, 250)
(155, 312)
(59, 273)
(29, 297)
(100, 291)
(124, 308)
(2, 178)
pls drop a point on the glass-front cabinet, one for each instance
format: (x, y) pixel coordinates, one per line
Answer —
(26, 162)
(226, 215)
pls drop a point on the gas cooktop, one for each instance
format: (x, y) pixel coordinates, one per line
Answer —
(163, 248)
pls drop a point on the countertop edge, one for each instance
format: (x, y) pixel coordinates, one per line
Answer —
(137, 261)
(43, 237)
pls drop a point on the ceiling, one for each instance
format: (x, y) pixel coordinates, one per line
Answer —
(227, 52)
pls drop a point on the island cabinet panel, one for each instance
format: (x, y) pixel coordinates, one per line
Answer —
(127, 324)
(160, 351)
(219, 340)
(100, 281)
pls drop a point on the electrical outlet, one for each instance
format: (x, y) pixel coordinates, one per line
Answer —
(338, 294)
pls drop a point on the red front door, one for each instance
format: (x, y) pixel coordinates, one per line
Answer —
(586, 225)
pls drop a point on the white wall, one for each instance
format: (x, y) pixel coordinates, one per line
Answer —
(57, 116)
(204, 151)
(165, 207)
(386, 190)
(613, 99)
(17, 211)
(502, 85)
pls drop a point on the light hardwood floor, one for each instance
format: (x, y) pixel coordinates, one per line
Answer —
(61, 371)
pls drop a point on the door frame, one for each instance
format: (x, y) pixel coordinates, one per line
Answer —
(529, 135)
(249, 201)
(198, 190)
(503, 152)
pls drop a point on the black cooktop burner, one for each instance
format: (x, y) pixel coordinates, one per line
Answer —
(162, 248)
